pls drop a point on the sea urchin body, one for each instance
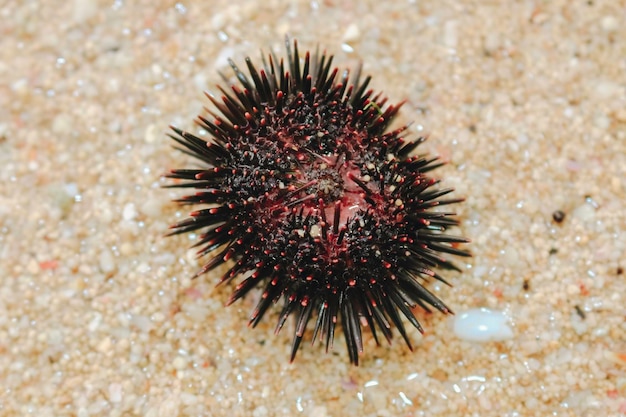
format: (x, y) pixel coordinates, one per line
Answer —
(311, 198)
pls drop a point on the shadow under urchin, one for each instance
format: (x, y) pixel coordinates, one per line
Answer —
(311, 198)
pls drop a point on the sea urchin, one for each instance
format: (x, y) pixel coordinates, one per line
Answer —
(310, 197)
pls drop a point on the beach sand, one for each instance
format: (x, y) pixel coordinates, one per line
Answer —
(99, 315)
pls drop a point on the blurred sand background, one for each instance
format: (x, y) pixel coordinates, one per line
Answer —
(98, 316)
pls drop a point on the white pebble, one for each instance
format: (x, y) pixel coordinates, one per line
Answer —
(152, 207)
(179, 363)
(196, 312)
(200, 81)
(602, 121)
(606, 89)
(95, 323)
(106, 261)
(260, 411)
(318, 411)
(62, 125)
(347, 48)
(578, 324)
(480, 270)
(129, 212)
(115, 393)
(158, 317)
(20, 86)
(450, 34)
(169, 407)
(151, 133)
(71, 189)
(482, 325)
(352, 33)
(143, 268)
(316, 231)
(54, 337)
(218, 20)
(510, 256)
(84, 9)
(585, 212)
(143, 323)
(188, 399)
(609, 23)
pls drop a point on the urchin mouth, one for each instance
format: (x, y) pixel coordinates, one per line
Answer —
(326, 182)
(333, 188)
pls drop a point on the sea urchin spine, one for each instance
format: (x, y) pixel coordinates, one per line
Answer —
(309, 196)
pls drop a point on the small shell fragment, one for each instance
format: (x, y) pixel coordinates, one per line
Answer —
(482, 325)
